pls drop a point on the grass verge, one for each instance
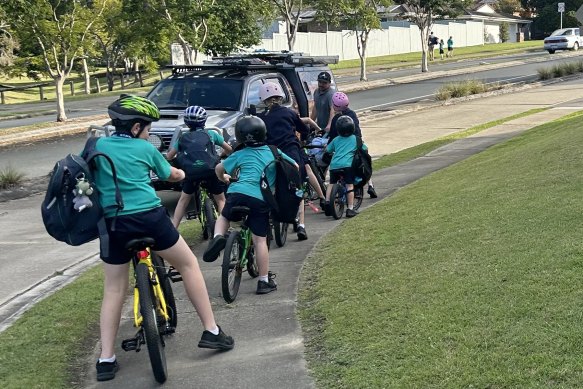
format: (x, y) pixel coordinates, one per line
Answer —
(49, 346)
(469, 277)
(560, 70)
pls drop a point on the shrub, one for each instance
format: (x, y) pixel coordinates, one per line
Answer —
(545, 73)
(10, 177)
(558, 70)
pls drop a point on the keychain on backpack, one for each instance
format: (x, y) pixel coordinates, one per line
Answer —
(82, 190)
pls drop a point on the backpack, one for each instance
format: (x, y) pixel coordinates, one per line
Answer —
(288, 189)
(434, 40)
(361, 164)
(72, 217)
(319, 152)
(198, 156)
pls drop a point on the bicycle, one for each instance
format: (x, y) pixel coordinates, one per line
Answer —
(154, 305)
(339, 198)
(239, 254)
(279, 232)
(207, 214)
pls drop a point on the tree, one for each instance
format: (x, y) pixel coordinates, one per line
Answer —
(508, 6)
(360, 16)
(55, 32)
(504, 32)
(290, 11)
(8, 43)
(424, 12)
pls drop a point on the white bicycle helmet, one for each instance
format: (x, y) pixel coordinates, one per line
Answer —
(195, 116)
(270, 89)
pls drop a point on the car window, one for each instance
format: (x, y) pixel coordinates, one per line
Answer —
(210, 93)
(253, 93)
(577, 31)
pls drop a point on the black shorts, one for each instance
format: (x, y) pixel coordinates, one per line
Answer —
(154, 223)
(450, 49)
(346, 172)
(258, 219)
(440, 51)
(211, 183)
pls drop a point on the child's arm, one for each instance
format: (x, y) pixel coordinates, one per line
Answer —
(221, 173)
(176, 175)
(227, 148)
(171, 153)
(311, 123)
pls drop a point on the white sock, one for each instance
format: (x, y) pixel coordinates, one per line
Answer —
(301, 225)
(215, 331)
(350, 206)
(112, 359)
(264, 278)
(217, 235)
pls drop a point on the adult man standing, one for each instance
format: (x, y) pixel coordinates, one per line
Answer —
(323, 111)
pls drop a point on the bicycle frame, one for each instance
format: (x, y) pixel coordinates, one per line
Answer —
(145, 258)
(247, 241)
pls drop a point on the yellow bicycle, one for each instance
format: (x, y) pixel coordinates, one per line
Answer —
(154, 305)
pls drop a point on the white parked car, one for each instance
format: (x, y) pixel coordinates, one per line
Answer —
(563, 39)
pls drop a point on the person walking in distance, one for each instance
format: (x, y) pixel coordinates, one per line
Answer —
(441, 51)
(323, 111)
(282, 124)
(143, 215)
(450, 47)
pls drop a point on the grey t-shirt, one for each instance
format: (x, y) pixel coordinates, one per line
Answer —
(323, 103)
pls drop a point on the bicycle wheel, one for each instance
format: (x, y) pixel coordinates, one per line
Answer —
(209, 216)
(358, 195)
(149, 324)
(231, 271)
(166, 286)
(280, 233)
(318, 174)
(252, 268)
(337, 195)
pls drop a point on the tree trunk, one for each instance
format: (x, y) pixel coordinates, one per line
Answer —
(109, 75)
(361, 41)
(136, 70)
(86, 76)
(292, 32)
(59, 82)
(424, 49)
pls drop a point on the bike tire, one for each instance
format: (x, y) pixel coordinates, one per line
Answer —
(231, 269)
(210, 221)
(358, 195)
(280, 233)
(252, 268)
(337, 196)
(154, 340)
(317, 173)
(166, 286)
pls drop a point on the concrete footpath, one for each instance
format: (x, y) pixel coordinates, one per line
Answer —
(269, 351)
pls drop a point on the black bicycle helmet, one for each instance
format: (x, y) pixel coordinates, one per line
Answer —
(250, 129)
(345, 125)
(130, 107)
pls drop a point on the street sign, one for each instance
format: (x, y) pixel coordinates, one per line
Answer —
(579, 14)
(561, 7)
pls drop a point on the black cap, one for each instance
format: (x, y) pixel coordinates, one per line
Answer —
(324, 76)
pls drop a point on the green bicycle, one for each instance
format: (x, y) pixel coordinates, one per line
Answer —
(205, 210)
(239, 255)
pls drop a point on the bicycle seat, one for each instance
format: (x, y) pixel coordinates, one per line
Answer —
(240, 211)
(140, 244)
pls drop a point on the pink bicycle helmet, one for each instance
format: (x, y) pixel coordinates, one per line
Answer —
(340, 101)
(270, 89)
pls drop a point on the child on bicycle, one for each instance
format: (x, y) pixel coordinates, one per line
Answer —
(340, 104)
(342, 149)
(282, 123)
(143, 215)
(250, 162)
(202, 141)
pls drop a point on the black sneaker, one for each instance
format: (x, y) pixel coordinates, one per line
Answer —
(221, 341)
(328, 209)
(371, 192)
(214, 248)
(267, 287)
(322, 204)
(351, 213)
(106, 370)
(302, 234)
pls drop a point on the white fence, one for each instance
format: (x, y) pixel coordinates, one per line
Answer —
(394, 38)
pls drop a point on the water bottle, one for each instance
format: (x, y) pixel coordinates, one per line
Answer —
(300, 193)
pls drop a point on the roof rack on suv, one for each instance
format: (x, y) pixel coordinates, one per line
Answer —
(258, 60)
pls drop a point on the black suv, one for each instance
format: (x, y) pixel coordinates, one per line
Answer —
(228, 87)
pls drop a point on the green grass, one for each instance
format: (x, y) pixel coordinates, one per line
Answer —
(468, 278)
(10, 176)
(408, 59)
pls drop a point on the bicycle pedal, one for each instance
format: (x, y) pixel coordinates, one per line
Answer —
(131, 344)
(191, 215)
(168, 330)
(174, 275)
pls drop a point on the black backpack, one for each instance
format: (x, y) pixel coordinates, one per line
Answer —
(198, 155)
(62, 220)
(288, 189)
(361, 164)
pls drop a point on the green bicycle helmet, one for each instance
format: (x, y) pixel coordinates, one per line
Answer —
(130, 107)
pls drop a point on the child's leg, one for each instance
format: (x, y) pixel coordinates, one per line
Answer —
(313, 181)
(181, 257)
(221, 226)
(180, 208)
(350, 195)
(220, 200)
(328, 192)
(115, 288)
(261, 254)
